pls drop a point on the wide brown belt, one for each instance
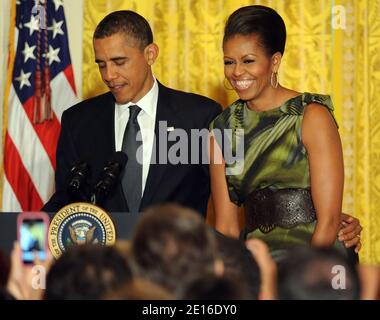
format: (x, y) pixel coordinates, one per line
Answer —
(267, 209)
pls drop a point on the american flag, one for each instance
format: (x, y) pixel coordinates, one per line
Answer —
(40, 86)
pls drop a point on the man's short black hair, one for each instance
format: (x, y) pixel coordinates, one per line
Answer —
(128, 22)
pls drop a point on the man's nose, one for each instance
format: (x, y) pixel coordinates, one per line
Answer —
(110, 73)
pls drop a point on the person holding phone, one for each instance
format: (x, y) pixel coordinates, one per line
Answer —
(29, 251)
(25, 282)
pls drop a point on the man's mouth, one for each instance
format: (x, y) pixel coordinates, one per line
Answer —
(116, 87)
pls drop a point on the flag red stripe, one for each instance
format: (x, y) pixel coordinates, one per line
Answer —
(47, 132)
(69, 73)
(19, 178)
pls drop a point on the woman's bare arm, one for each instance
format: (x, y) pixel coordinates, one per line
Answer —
(321, 139)
(226, 212)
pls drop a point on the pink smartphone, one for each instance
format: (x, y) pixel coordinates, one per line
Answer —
(32, 230)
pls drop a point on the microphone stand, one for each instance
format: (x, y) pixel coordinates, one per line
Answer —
(109, 178)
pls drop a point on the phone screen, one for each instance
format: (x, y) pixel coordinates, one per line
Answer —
(32, 239)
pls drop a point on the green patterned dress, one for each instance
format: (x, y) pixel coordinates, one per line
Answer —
(274, 157)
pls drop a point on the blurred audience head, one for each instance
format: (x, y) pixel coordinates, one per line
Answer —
(239, 263)
(309, 273)
(87, 272)
(210, 286)
(172, 243)
(5, 295)
(139, 289)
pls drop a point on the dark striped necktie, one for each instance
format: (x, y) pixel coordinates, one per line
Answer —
(132, 146)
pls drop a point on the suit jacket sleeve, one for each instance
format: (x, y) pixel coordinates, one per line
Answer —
(66, 157)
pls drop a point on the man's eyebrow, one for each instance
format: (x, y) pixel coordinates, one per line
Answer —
(112, 59)
(118, 58)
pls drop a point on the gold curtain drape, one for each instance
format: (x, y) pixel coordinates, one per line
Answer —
(333, 47)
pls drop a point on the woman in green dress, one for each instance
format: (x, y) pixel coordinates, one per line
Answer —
(291, 181)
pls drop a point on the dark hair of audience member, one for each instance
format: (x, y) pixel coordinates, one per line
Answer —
(5, 295)
(87, 272)
(239, 263)
(139, 289)
(210, 286)
(310, 273)
(172, 243)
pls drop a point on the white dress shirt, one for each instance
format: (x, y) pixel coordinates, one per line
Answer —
(146, 119)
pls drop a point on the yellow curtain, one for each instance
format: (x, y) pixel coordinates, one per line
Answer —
(333, 47)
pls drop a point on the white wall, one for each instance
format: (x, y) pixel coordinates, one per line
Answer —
(74, 20)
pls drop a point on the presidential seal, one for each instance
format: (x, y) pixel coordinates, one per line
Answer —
(80, 223)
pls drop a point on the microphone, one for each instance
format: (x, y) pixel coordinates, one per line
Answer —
(78, 181)
(109, 178)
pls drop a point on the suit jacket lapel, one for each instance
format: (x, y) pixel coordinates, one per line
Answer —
(107, 140)
(108, 126)
(165, 112)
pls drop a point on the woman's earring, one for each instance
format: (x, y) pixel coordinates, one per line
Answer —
(225, 86)
(274, 80)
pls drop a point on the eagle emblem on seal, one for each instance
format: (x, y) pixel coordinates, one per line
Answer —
(82, 232)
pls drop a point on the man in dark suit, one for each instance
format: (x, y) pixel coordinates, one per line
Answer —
(93, 130)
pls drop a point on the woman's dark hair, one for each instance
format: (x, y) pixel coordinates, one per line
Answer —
(259, 20)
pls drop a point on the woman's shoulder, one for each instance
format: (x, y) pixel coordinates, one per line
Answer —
(225, 120)
(297, 104)
(317, 98)
(319, 109)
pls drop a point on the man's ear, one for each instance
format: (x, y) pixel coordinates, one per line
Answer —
(151, 53)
